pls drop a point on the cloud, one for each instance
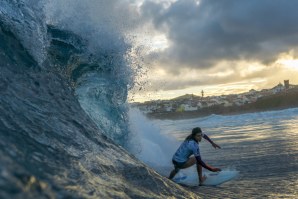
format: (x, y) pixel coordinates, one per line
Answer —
(203, 33)
(194, 42)
(237, 73)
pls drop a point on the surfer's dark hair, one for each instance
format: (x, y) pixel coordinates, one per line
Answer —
(194, 131)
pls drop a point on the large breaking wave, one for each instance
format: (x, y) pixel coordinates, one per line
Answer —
(58, 70)
(95, 62)
(93, 58)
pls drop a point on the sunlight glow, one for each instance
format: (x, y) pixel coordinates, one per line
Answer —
(290, 63)
(159, 43)
(222, 73)
(212, 90)
(288, 60)
(251, 69)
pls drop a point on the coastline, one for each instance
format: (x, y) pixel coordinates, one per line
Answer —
(280, 101)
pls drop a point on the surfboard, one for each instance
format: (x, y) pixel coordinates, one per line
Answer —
(213, 179)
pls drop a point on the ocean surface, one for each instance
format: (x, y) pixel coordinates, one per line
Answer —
(262, 146)
(67, 131)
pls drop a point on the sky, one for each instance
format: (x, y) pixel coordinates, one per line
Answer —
(219, 46)
(186, 46)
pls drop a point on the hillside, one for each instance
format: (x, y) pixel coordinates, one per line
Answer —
(288, 99)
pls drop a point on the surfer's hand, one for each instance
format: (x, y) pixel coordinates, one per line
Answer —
(215, 145)
(216, 169)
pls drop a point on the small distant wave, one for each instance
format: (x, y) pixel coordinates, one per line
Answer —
(230, 120)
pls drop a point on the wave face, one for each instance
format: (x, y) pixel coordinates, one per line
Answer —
(95, 62)
(63, 113)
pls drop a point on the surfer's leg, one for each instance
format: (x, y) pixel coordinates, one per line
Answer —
(191, 161)
(200, 174)
(173, 173)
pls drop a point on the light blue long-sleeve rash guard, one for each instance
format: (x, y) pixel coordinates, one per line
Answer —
(188, 148)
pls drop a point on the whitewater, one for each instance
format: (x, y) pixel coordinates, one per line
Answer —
(262, 147)
(67, 131)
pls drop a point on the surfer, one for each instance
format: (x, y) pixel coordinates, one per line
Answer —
(190, 146)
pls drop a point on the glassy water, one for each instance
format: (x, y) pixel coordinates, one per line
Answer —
(263, 147)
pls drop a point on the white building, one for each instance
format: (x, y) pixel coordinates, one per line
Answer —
(187, 107)
(278, 88)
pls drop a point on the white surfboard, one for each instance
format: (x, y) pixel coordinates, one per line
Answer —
(213, 179)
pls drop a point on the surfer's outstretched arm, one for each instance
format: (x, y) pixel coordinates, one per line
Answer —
(211, 142)
(201, 164)
(206, 166)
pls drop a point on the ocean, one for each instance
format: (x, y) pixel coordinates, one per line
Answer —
(262, 147)
(67, 131)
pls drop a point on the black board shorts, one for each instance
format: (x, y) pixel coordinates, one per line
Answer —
(178, 165)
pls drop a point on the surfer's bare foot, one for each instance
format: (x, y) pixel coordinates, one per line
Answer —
(202, 180)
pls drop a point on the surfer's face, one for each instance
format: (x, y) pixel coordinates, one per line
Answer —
(198, 137)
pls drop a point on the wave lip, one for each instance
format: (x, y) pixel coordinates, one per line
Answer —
(99, 80)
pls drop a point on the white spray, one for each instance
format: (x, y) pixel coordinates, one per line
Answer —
(148, 144)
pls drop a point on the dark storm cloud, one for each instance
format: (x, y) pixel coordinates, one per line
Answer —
(204, 33)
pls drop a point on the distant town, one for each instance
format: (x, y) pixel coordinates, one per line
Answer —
(194, 103)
